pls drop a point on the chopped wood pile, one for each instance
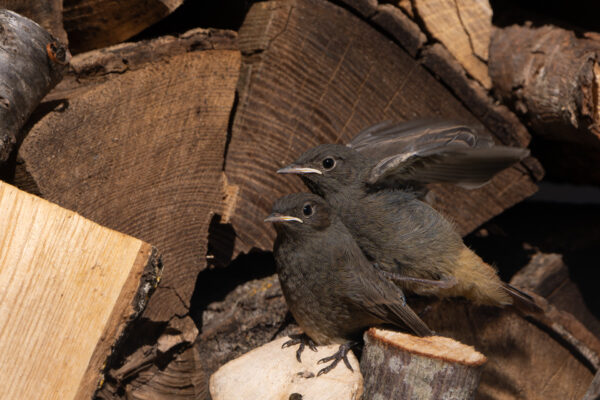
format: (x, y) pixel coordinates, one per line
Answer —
(139, 144)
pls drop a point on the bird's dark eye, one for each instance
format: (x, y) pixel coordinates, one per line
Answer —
(328, 163)
(307, 210)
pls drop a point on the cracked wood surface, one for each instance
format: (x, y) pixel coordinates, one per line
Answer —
(142, 152)
(315, 73)
(69, 287)
(464, 27)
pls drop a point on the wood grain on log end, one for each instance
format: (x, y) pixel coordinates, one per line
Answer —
(464, 28)
(398, 366)
(183, 379)
(157, 175)
(315, 73)
(396, 23)
(440, 347)
(270, 372)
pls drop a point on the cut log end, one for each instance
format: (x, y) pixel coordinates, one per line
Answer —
(270, 372)
(397, 366)
(440, 347)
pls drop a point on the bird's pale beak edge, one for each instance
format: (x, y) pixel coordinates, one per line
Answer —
(298, 169)
(276, 217)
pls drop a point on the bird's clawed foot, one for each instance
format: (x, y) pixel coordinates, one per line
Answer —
(341, 354)
(302, 340)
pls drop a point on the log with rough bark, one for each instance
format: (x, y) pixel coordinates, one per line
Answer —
(526, 360)
(401, 366)
(550, 77)
(92, 24)
(141, 150)
(315, 73)
(270, 372)
(48, 14)
(32, 62)
(69, 289)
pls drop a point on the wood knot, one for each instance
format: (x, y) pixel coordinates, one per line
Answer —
(57, 53)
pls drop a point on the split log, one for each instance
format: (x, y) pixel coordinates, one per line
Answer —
(182, 378)
(69, 290)
(32, 62)
(92, 24)
(464, 28)
(550, 77)
(270, 372)
(139, 146)
(48, 14)
(141, 150)
(314, 73)
(400, 366)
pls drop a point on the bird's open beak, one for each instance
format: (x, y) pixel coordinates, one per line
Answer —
(276, 217)
(298, 169)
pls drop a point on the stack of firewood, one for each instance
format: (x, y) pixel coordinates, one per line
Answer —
(173, 137)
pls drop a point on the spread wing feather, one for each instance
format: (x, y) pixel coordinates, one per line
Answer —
(430, 151)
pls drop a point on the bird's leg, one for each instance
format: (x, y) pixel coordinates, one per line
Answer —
(302, 340)
(341, 354)
(444, 283)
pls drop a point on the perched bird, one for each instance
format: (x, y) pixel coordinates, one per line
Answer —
(331, 289)
(369, 183)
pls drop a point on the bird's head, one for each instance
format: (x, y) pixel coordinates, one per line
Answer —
(328, 168)
(300, 212)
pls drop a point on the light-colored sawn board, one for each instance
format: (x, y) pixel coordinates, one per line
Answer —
(67, 288)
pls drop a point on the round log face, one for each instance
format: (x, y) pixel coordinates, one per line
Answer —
(270, 372)
(401, 366)
(315, 73)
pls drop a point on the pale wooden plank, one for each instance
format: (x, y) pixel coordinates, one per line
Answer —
(67, 287)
